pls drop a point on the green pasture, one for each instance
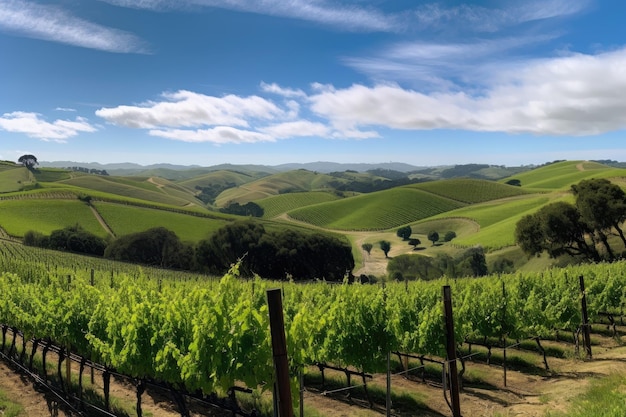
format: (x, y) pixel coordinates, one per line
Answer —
(14, 178)
(45, 215)
(277, 205)
(124, 219)
(376, 211)
(53, 174)
(125, 188)
(471, 191)
(562, 175)
(497, 220)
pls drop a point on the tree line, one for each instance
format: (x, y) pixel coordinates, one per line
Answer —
(283, 254)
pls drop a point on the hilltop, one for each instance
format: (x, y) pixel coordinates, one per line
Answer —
(480, 204)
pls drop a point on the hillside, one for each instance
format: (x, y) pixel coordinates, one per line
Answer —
(480, 212)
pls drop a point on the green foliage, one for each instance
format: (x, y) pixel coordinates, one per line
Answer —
(415, 242)
(449, 236)
(385, 246)
(76, 239)
(404, 232)
(367, 247)
(29, 161)
(157, 246)
(248, 209)
(433, 236)
(285, 253)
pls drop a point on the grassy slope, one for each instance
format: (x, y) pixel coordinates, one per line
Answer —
(561, 175)
(13, 178)
(19, 216)
(376, 211)
(130, 219)
(125, 187)
(276, 205)
(221, 177)
(298, 181)
(471, 191)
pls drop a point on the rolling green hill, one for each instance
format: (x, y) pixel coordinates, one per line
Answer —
(282, 183)
(376, 211)
(279, 204)
(481, 212)
(14, 178)
(471, 191)
(561, 175)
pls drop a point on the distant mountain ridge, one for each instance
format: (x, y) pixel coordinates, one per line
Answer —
(321, 166)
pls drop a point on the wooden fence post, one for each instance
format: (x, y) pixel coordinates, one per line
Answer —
(451, 352)
(279, 349)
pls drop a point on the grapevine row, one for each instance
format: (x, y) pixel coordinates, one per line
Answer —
(206, 334)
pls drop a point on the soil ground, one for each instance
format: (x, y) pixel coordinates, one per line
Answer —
(533, 392)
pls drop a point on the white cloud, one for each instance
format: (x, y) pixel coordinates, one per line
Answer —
(189, 109)
(54, 24)
(218, 135)
(573, 95)
(281, 91)
(296, 129)
(344, 15)
(67, 109)
(34, 126)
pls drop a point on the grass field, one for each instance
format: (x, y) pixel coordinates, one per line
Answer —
(123, 219)
(277, 205)
(13, 179)
(561, 175)
(376, 211)
(497, 220)
(19, 216)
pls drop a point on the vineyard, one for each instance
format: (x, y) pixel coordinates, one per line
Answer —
(376, 211)
(212, 334)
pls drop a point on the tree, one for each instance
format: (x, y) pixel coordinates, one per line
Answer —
(415, 242)
(29, 161)
(602, 205)
(385, 246)
(433, 237)
(558, 229)
(404, 232)
(367, 247)
(449, 236)
(514, 182)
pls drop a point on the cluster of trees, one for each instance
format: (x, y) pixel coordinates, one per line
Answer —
(285, 253)
(586, 230)
(282, 254)
(72, 238)
(249, 209)
(411, 267)
(209, 193)
(89, 171)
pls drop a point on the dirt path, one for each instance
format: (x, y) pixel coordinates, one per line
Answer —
(100, 219)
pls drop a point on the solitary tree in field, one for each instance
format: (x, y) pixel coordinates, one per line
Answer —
(433, 237)
(385, 246)
(415, 242)
(29, 161)
(404, 232)
(367, 247)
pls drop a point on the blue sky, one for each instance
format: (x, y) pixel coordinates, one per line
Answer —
(274, 81)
